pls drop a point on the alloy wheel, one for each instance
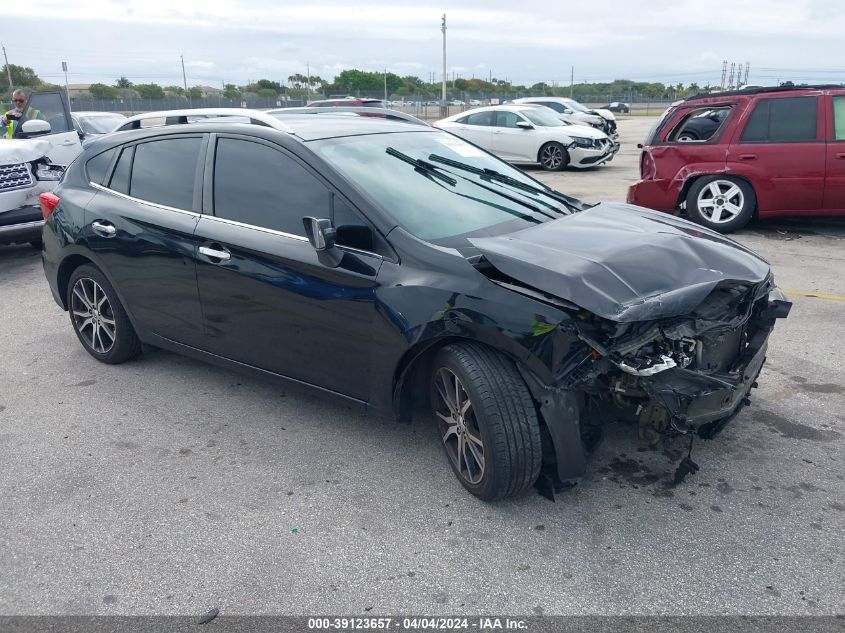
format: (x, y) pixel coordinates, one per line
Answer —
(721, 201)
(551, 157)
(92, 315)
(458, 426)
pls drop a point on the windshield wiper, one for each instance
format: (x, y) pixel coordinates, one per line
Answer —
(492, 174)
(422, 165)
(427, 169)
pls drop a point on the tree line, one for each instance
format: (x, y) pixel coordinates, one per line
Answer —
(361, 82)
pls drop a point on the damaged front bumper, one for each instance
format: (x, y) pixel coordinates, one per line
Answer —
(698, 388)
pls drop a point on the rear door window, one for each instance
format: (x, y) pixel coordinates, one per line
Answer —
(261, 186)
(164, 171)
(783, 120)
(122, 171)
(481, 118)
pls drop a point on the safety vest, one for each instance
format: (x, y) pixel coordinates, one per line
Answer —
(9, 132)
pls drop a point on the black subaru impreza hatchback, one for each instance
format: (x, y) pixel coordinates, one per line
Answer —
(404, 269)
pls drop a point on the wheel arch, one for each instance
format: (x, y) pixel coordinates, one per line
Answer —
(73, 261)
(549, 142)
(65, 270)
(410, 378)
(693, 178)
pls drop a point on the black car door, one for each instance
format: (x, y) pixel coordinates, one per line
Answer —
(267, 300)
(141, 223)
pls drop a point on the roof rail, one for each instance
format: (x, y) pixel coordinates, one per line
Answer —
(362, 111)
(184, 116)
(763, 90)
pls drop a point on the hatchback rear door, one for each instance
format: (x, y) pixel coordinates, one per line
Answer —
(780, 147)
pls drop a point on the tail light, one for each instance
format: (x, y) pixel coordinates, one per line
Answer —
(47, 201)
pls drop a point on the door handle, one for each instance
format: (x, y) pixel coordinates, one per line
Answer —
(497, 131)
(69, 142)
(213, 253)
(106, 229)
(840, 156)
(748, 157)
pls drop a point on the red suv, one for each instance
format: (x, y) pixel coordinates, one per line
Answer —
(724, 157)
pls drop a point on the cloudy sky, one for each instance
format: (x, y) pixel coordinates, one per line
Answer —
(235, 41)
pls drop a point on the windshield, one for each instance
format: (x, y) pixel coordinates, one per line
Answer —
(100, 124)
(437, 202)
(542, 117)
(574, 105)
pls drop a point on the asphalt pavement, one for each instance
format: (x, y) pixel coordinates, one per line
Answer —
(168, 486)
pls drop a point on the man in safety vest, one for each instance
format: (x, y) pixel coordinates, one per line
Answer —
(13, 116)
(12, 119)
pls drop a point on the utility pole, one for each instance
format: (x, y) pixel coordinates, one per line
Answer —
(385, 86)
(9, 70)
(731, 76)
(185, 82)
(308, 74)
(724, 73)
(444, 112)
(571, 81)
(67, 90)
(747, 70)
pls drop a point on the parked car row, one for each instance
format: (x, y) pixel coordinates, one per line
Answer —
(399, 267)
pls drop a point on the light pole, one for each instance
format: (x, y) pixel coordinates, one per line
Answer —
(67, 90)
(444, 109)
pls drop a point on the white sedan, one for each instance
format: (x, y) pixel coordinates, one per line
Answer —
(530, 135)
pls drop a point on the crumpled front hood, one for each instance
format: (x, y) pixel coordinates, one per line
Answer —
(605, 114)
(14, 151)
(584, 131)
(622, 262)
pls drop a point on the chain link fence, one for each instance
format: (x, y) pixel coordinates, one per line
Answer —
(422, 104)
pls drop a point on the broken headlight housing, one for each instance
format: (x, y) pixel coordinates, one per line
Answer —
(44, 170)
(578, 141)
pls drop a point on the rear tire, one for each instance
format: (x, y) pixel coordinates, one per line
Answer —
(553, 157)
(98, 318)
(487, 420)
(721, 203)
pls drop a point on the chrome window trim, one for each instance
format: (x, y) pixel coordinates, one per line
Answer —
(142, 201)
(300, 238)
(263, 229)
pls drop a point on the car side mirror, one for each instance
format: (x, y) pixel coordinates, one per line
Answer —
(568, 111)
(525, 125)
(322, 236)
(35, 127)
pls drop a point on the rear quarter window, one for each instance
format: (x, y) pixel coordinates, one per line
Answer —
(97, 167)
(782, 120)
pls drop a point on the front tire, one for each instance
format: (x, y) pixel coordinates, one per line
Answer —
(721, 203)
(99, 319)
(553, 157)
(487, 420)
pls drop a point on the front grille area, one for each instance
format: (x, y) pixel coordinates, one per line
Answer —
(15, 177)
